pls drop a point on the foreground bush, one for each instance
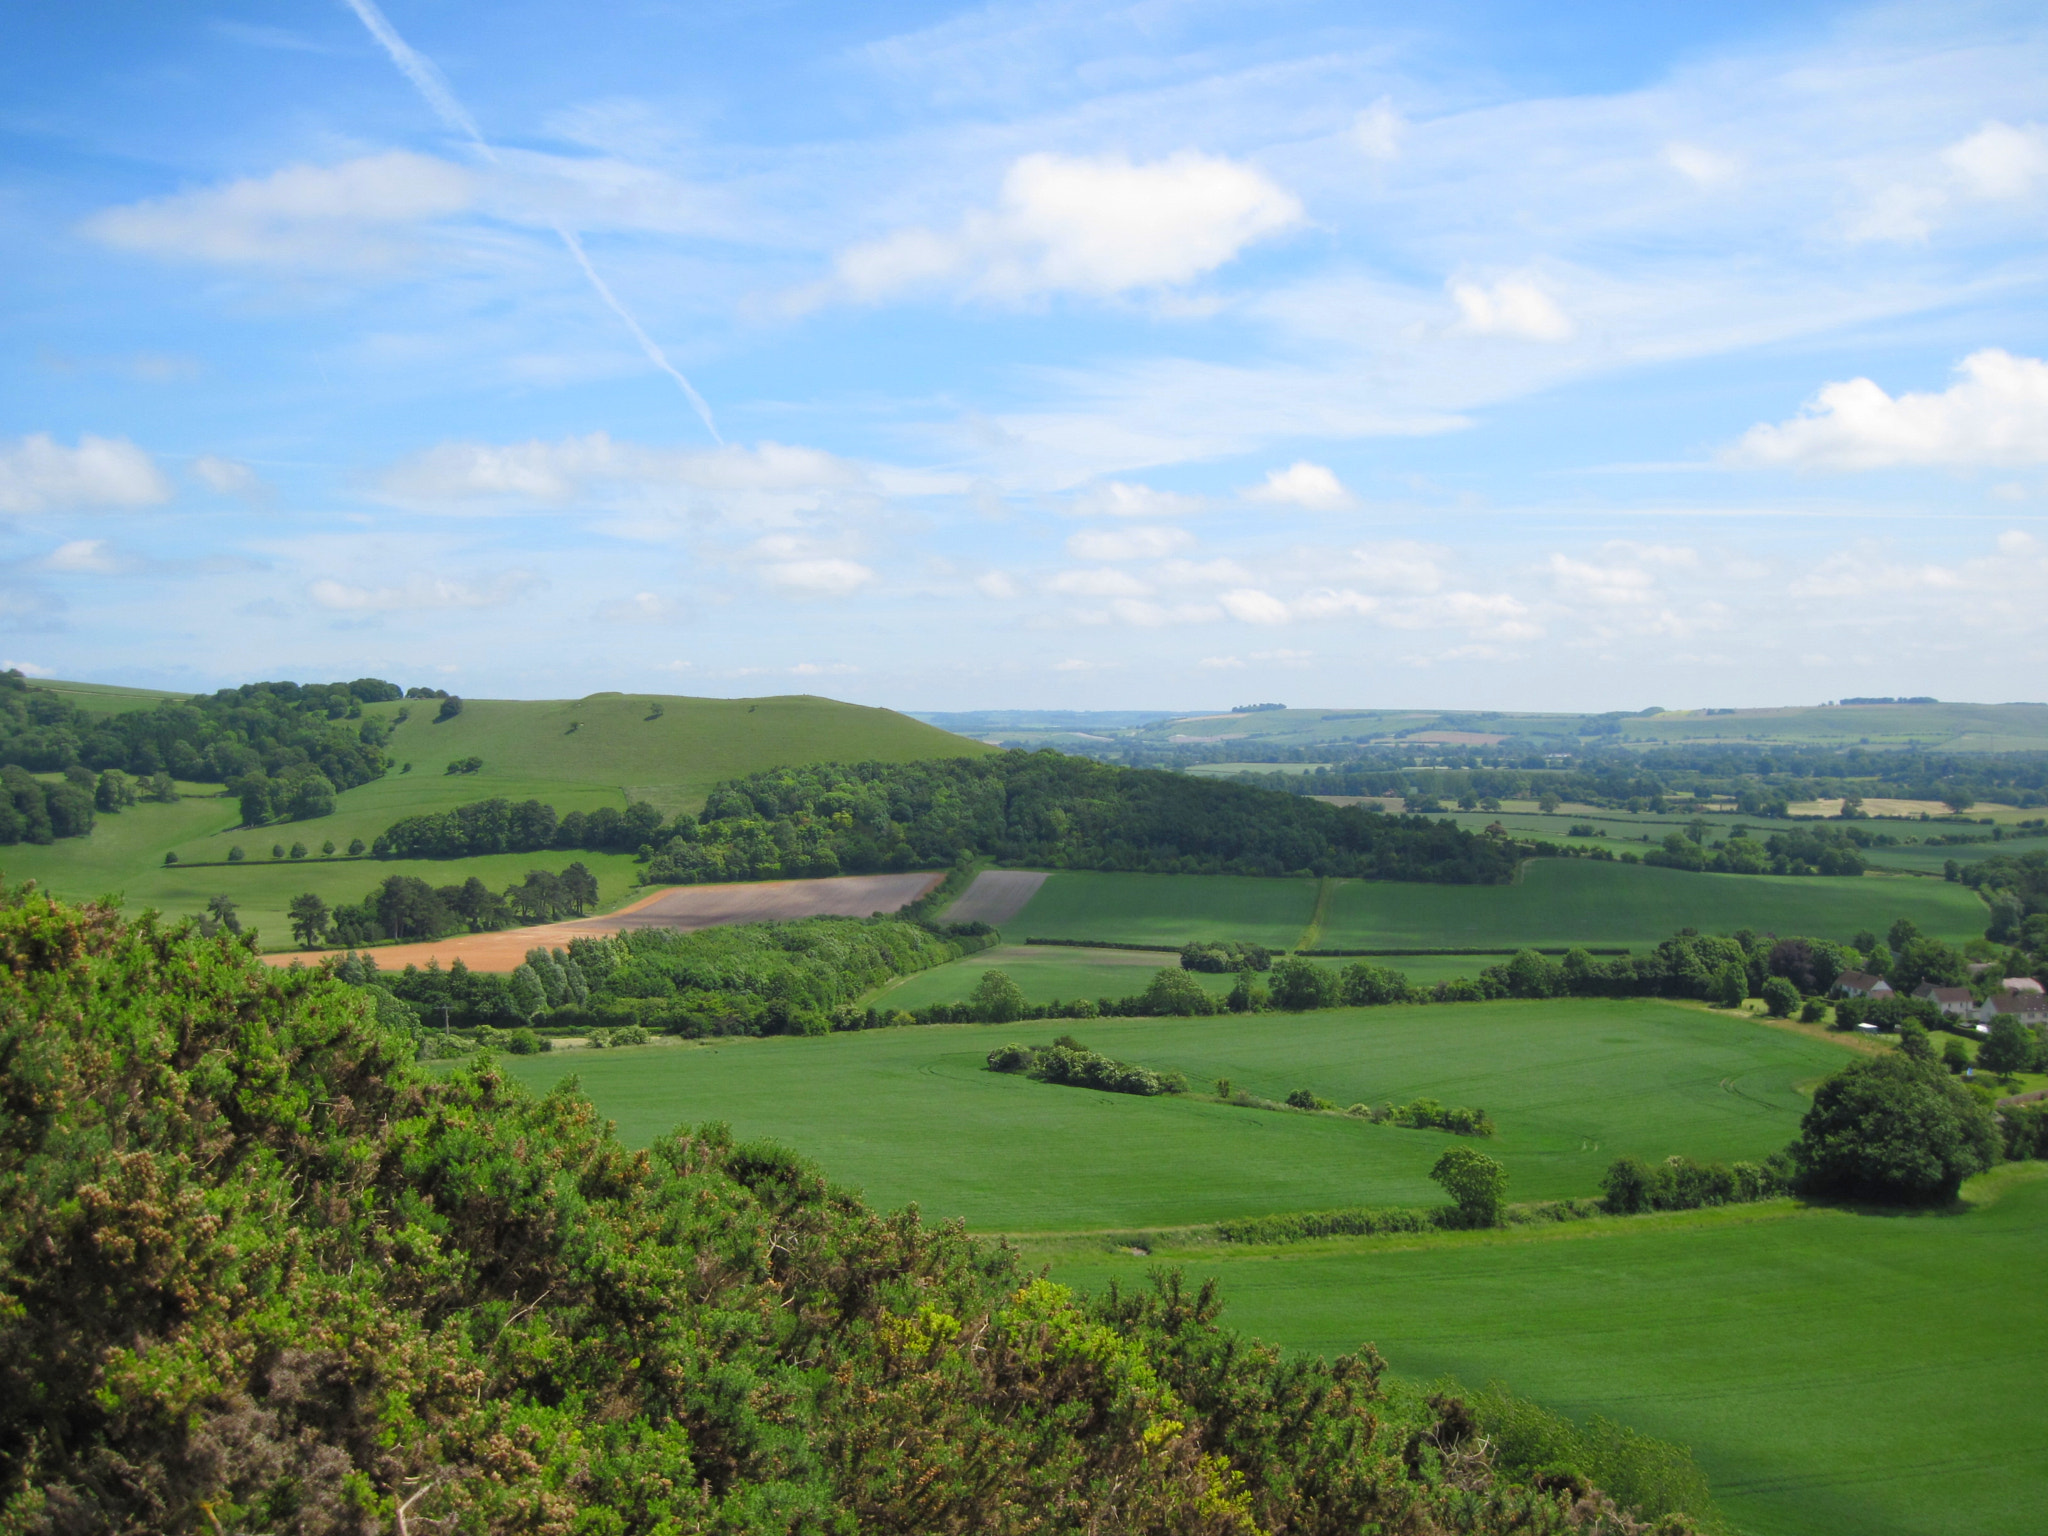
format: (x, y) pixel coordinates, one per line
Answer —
(257, 1275)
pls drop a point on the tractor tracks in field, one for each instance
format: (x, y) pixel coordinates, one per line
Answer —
(1312, 935)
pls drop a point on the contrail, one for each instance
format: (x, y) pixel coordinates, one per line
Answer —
(433, 86)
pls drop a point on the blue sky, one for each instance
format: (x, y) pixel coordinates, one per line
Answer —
(1057, 355)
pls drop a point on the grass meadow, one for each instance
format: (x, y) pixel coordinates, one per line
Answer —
(913, 1114)
(1167, 909)
(1835, 1373)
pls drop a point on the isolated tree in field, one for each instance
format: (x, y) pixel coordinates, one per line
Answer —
(1954, 1055)
(355, 847)
(1894, 1131)
(162, 789)
(1780, 997)
(450, 708)
(277, 850)
(996, 999)
(1547, 802)
(221, 911)
(2009, 1048)
(114, 793)
(309, 918)
(327, 849)
(1475, 1182)
(298, 850)
(235, 854)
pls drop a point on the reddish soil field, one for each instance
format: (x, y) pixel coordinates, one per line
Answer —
(683, 908)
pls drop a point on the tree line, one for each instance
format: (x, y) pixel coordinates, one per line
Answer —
(500, 826)
(333, 1292)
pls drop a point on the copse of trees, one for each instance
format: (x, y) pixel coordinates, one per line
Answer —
(500, 826)
(1069, 1062)
(1893, 1131)
(373, 1299)
(1050, 810)
(32, 811)
(406, 908)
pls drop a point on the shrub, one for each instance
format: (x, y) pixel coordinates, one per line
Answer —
(1302, 1098)
(1220, 956)
(1175, 994)
(1813, 1011)
(235, 854)
(355, 847)
(171, 857)
(1068, 1062)
(1893, 1131)
(1476, 1184)
(1364, 986)
(525, 1042)
(1780, 997)
(1626, 1186)
(996, 999)
(1955, 1055)
(1299, 985)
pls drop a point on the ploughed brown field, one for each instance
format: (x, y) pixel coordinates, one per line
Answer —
(996, 896)
(683, 909)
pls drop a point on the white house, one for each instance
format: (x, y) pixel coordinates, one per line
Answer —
(1862, 984)
(1954, 1001)
(2027, 1007)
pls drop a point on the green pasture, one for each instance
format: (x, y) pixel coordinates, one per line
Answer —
(913, 1114)
(1575, 901)
(105, 698)
(1957, 727)
(1835, 1373)
(1926, 860)
(1167, 909)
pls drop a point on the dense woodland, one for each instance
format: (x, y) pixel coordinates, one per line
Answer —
(1051, 811)
(259, 1274)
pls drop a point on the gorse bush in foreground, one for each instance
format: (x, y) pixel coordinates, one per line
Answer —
(256, 1275)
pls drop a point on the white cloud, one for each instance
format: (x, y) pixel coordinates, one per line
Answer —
(1999, 161)
(1334, 603)
(825, 669)
(84, 555)
(227, 476)
(1379, 130)
(1583, 581)
(995, 584)
(1995, 413)
(422, 594)
(1511, 307)
(1075, 664)
(1403, 566)
(1703, 167)
(1220, 663)
(1150, 542)
(347, 215)
(26, 668)
(645, 608)
(1119, 498)
(1285, 658)
(1251, 606)
(1099, 226)
(1098, 584)
(38, 474)
(830, 576)
(767, 485)
(1303, 484)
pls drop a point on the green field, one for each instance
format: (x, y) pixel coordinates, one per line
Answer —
(1167, 909)
(1836, 1374)
(1556, 902)
(1573, 901)
(913, 1114)
(620, 750)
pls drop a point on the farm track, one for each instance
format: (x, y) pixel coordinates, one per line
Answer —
(679, 909)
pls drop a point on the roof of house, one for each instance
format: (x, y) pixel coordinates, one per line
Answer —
(1942, 994)
(2021, 984)
(1862, 981)
(2017, 1002)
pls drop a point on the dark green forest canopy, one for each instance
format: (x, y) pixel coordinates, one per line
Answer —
(282, 730)
(258, 1274)
(1055, 811)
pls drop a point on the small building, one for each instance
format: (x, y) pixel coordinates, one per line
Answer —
(2027, 1007)
(1954, 1001)
(2022, 984)
(1862, 984)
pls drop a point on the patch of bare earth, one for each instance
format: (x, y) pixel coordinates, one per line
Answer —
(996, 896)
(681, 909)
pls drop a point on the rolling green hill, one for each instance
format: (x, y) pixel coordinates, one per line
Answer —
(576, 754)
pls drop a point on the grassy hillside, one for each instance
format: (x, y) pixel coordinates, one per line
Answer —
(575, 754)
(1835, 1373)
(912, 1114)
(104, 698)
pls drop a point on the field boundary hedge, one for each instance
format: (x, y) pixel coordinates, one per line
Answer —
(1328, 954)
